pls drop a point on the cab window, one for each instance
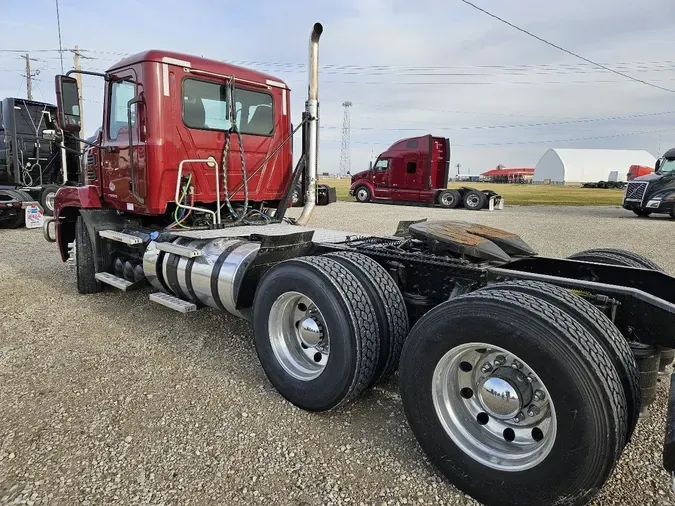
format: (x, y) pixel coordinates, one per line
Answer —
(205, 108)
(382, 164)
(120, 94)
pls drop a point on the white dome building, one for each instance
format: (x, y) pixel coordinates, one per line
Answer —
(569, 166)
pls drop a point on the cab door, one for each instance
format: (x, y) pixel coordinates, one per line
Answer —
(412, 180)
(382, 178)
(123, 149)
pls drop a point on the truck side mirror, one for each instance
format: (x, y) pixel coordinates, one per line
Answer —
(68, 104)
(658, 165)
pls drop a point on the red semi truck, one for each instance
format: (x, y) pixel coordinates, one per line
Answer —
(416, 170)
(521, 391)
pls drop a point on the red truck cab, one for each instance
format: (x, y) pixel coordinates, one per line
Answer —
(411, 170)
(416, 170)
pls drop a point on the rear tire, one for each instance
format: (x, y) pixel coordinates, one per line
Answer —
(362, 194)
(475, 200)
(602, 328)
(20, 219)
(569, 364)
(616, 257)
(449, 199)
(85, 263)
(389, 305)
(315, 332)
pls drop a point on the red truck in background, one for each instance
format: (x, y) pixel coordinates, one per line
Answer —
(416, 170)
(637, 171)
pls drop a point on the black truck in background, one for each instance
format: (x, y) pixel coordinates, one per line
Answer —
(30, 163)
(655, 192)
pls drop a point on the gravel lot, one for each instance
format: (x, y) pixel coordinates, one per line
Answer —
(111, 399)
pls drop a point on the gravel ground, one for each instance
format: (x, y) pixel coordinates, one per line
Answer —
(110, 399)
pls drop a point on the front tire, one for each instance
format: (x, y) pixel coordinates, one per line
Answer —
(479, 337)
(641, 213)
(315, 332)
(362, 194)
(85, 262)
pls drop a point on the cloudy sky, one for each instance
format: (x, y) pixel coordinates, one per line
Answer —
(435, 66)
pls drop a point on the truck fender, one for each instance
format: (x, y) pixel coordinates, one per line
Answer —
(362, 182)
(68, 204)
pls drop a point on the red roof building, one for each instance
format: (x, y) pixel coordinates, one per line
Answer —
(513, 175)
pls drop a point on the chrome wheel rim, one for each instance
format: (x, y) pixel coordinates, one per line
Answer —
(298, 336)
(494, 407)
(362, 194)
(447, 200)
(50, 200)
(472, 201)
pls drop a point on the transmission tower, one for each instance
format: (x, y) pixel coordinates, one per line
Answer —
(345, 154)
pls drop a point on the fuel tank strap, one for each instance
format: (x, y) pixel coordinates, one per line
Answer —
(215, 273)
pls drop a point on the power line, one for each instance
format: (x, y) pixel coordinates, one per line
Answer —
(519, 143)
(520, 125)
(566, 50)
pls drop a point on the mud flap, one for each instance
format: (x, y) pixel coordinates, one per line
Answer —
(669, 443)
(496, 202)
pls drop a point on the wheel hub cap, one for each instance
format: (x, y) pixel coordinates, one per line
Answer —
(310, 332)
(499, 397)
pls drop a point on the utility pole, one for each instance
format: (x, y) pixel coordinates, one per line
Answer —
(29, 83)
(78, 78)
(458, 166)
(345, 154)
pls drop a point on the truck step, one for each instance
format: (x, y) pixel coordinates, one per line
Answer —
(172, 302)
(181, 251)
(112, 280)
(114, 235)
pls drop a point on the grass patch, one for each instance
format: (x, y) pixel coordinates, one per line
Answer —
(522, 194)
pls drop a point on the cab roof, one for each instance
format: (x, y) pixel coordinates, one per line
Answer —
(197, 62)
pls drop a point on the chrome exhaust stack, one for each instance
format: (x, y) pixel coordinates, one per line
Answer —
(312, 114)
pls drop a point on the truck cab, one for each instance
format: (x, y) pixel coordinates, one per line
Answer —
(415, 170)
(654, 192)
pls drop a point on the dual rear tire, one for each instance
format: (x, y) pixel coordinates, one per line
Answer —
(507, 389)
(328, 327)
(518, 386)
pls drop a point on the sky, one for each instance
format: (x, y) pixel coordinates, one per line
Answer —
(434, 66)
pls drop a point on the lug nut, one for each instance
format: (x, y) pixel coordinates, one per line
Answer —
(539, 395)
(500, 360)
(533, 411)
(487, 367)
(530, 377)
(519, 417)
(516, 364)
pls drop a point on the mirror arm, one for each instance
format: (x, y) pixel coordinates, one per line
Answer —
(85, 72)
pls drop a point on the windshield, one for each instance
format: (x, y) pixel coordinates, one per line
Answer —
(667, 166)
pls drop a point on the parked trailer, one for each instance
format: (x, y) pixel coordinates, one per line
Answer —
(516, 371)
